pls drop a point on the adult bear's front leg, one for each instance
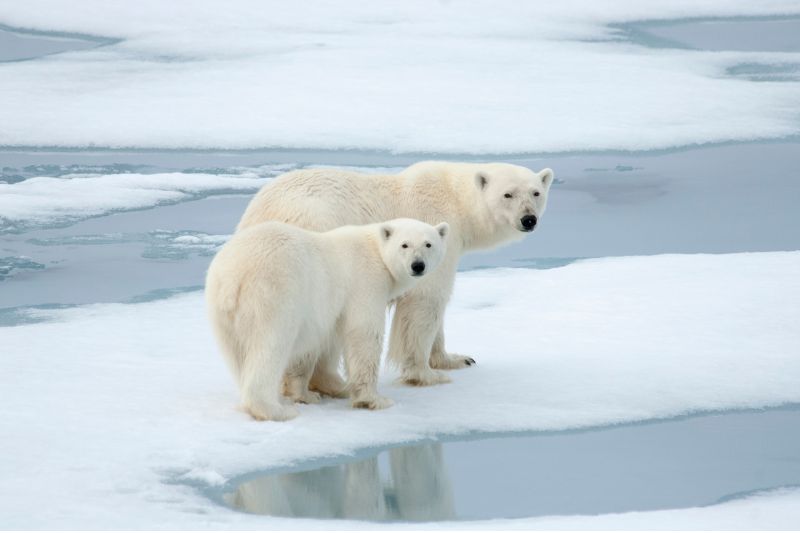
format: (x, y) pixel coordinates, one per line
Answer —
(447, 361)
(416, 322)
(363, 343)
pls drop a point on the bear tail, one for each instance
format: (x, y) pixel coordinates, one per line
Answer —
(223, 300)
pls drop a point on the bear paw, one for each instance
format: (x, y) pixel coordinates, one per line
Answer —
(452, 361)
(425, 378)
(275, 412)
(329, 385)
(306, 397)
(296, 390)
(379, 402)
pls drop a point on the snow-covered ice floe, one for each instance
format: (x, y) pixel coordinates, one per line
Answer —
(53, 201)
(116, 415)
(475, 77)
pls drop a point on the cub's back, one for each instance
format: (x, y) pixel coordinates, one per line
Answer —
(271, 257)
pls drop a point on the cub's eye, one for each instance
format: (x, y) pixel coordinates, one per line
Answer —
(405, 246)
(508, 195)
(427, 245)
(536, 193)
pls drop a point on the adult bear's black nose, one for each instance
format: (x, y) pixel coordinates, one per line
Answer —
(418, 267)
(528, 222)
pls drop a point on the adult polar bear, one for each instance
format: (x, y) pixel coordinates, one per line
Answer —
(485, 205)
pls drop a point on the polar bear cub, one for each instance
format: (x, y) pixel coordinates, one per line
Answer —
(279, 295)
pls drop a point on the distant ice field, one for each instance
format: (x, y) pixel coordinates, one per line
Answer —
(448, 77)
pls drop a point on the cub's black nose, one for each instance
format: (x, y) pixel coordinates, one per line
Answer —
(418, 267)
(528, 222)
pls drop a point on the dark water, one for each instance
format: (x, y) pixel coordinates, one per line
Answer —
(744, 34)
(751, 34)
(717, 199)
(664, 465)
(20, 45)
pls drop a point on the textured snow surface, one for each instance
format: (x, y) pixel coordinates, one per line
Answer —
(463, 76)
(107, 406)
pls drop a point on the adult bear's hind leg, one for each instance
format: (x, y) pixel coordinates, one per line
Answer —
(326, 378)
(295, 383)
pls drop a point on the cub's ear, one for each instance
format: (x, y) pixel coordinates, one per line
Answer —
(481, 180)
(386, 231)
(443, 228)
(546, 176)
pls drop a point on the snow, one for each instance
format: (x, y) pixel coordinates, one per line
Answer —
(774, 510)
(43, 201)
(411, 76)
(115, 414)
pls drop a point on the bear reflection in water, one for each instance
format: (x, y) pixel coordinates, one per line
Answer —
(418, 489)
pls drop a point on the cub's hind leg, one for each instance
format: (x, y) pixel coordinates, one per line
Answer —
(261, 378)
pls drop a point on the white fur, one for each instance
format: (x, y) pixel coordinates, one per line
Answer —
(470, 197)
(280, 296)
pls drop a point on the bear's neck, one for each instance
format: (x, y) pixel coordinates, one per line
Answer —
(393, 286)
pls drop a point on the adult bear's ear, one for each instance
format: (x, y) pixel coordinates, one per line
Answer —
(546, 176)
(481, 180)
(386, 231)
(443, 228)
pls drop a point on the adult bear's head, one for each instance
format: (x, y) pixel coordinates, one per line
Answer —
(515, 196)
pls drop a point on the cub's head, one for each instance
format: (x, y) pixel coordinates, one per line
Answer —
(515, 196)
(410, 248)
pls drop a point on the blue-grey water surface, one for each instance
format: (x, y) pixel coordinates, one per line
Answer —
(687, 462)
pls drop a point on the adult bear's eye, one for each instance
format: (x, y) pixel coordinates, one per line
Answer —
(405, 246)
(536, 193)
(508, 195)
(427, 245)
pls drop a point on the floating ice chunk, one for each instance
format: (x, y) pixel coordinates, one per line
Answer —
(178, 245)
(45, 201)
(187, 239)
(12, 264)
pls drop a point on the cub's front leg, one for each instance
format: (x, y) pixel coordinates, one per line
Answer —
(363, 343)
